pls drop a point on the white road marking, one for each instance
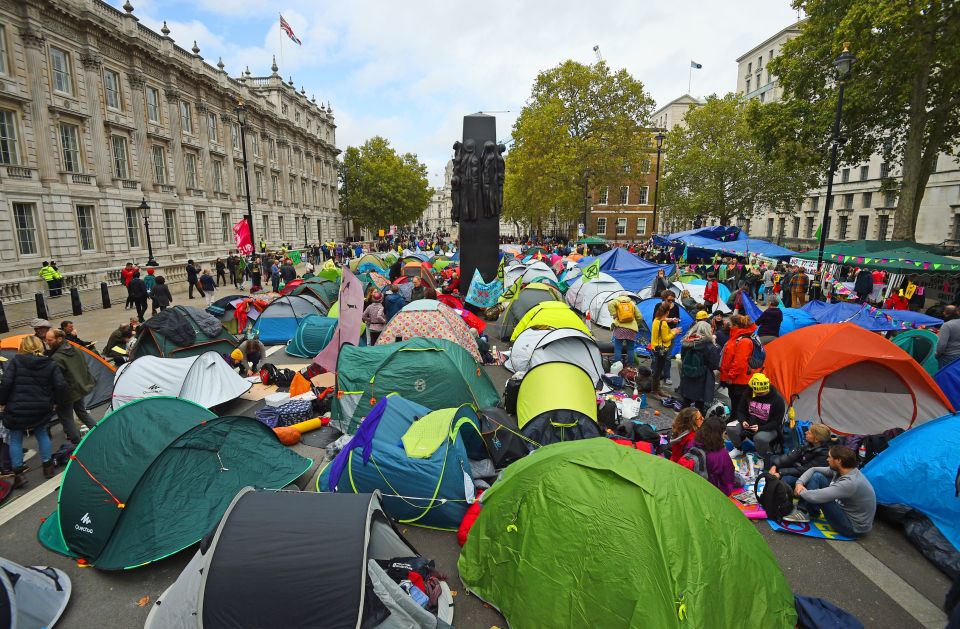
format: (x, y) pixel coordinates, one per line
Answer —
(29, 499)
(273, 350)
(890, 583)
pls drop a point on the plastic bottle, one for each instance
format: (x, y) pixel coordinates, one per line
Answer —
(415, 593)
(643, 400)
(862, 452)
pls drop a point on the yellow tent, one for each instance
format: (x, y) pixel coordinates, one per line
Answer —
(547, 315)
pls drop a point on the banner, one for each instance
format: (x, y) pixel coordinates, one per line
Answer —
(512, 292)
(482, 294)
(810, 266)
(241, 236)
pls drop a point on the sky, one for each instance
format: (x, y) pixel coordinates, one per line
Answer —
(409, 71)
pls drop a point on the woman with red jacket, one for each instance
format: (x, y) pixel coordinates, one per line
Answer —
(711, 294)
(735, 369)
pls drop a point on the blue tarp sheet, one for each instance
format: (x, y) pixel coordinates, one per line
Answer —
(858, 315)
(725, 240)
(647, 307)
(633, 272)
(794, 319)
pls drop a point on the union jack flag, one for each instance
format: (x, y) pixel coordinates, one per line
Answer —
(289, 31)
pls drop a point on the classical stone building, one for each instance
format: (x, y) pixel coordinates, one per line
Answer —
(436, 218)
(99, 113)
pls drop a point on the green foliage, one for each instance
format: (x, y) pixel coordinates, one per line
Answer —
(903, 96)
(378, 187)
(580, 119)
(718, 167)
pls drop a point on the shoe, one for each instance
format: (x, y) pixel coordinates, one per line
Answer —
(84, 429)
(49, 471)
(20, 477)
(736, 452)
(668, 382)
(797, 516)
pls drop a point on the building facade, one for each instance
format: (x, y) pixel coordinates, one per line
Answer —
(864, 196)
(437, 217)
(673, 113)
(99, 113)
(624, 213)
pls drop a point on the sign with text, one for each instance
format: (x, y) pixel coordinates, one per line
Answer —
(241, 236)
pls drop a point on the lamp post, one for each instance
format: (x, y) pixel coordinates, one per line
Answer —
(660, 137)
(241, 111)
(145, 212)
(305, 242)
(843, 63)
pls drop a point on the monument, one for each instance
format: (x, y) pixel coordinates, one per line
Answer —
(477, 189)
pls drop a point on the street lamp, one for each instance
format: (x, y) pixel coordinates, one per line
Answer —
(843, 63)
(145, 212)
(660, 137)
(305, 243)
(241, 111)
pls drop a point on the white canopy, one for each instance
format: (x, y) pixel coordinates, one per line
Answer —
(581, 293)
(205, 379)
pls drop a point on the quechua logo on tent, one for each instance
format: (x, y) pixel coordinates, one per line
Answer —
(86, 520)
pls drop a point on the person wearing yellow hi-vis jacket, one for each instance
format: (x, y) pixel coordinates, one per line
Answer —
(49, 274)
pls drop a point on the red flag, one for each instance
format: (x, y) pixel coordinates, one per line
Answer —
(241, 236)
(289, 31)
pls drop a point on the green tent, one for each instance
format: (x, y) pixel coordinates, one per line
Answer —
(434, 373)
(592, 240)
(153, 343)
(154, 477)
(922, 345)
(326, 291)
(896, 256)
(592, 534)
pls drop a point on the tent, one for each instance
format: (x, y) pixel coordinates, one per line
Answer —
(948, 378)
(419, 459)
(655, 556)
(647, 307)
(633, 273)
(549, 314)
(368, 258)
(536, 270)
(896, 256)
(534, 347)
(419, 269)
(313, 334)
(581, 293)
(922, 345)
(101, 370)
(435, 373)
(855, 381)
(182, 331)
(205, 379)
(706, 241)
(428, 318)
(279, 321)
(32, 596)
(794, 319)
(557, 401)
(599, 310)
(233, 583)
(323, 290)
(225, 309)
(154, 476)
(868, 318)
(528, 297)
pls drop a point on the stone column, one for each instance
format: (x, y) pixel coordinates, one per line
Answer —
(102, 150)
(229, 184)
(204, 168)
(176, 148)
(145, 161)
(33, 41)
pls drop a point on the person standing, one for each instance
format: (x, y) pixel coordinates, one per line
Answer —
(138, 294)
(208, 285)
(948, 342)
(150, 280)
(52, 277)
(221, 269)
(288, 272)
(659, 284)
(232, 268)
(375, 317)
(711, 294)
(28, 393)
(661, 343)
(161, 295)
(699, 358)
(735, 369)
(799, 284)
(79, 381)
(193, 274)
(275, 276)
(767, 285)
(394, 302)
(625, 316)
(863, 286)
(785, 279)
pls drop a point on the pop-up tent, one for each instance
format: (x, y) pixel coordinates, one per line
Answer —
(233, 583)
(531, 555)
(922, 345)
(32, 596)
(154, 476)
(557, 401)
(205, 379)
(313, 334)
(419, 460)
(549, 314)
(323, 290)
(599, 307)
(948, 379)
(428, 318)
(581, 293)
(182, 331)
(528, 297)
(535, 347)
(435, 373)
(278, 322)
(852, 380)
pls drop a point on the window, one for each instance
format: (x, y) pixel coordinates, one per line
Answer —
(85, 228)
(293, 192)
(235, 136)
(842, 224)
(259, 177)
(644, 198)
(153, 105)
(641, 226)
(645, 166)
(863, 223)
(763, 96)
(62, 75)
(26, 227)
(604, 194)
(848, 201)
(119, 157)
(601, 226)
(111, 87)
(750, 68)
(212, 129)
(266, 227)
(170, 226)
(748, 85)
(889, 199)
(9, 148)
(296, 226)
(796, 227)
(159, 164)
(238, 177)
(4, 63)
(275, 187)
(70, 148)
(626, 168)
(883, 223)
(190, 166)
(864, 173)
(769, 227)
(303, 192)
(255, 143)
(867, 199)
(133, 227)
(272, 148)
(186, 117)
(815, 203)
(201, 227)
(845, 175)
(225, 227)
(624, 195)
(621, 226)
(283, 234)
(217, 175)
(884, 170)
(808, 230)
(781, 226)
(314, 195)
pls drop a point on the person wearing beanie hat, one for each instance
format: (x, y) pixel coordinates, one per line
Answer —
(375, 317)
(765, 413)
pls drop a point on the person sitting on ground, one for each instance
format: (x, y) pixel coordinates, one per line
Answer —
(709, 438)
(764, 422)
(374, 316)
(768, 323)
(624, 328)
(840, 491)
(813, 453)
(682, 433)
(688, 302)
(70, 331)
(699, 358)
(118, 339)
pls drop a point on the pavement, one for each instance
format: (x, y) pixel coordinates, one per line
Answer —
(881, 578)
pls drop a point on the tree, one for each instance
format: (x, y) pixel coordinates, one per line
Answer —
(903, 97)
(715, 166)
(583, 123)
(378, 187)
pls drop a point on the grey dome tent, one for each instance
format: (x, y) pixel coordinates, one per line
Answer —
(599, 310)
(534, 347)
(31, 596)
(581, 293)
(324, 546)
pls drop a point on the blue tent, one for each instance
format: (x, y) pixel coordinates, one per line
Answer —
(916, 318)
(919, 469)
(750, 308)
(731, 240)
(794, 319)
(633, 273)
(647, 307)
(418, 459)
(860, 315)
(949, 380)
(722, 291)
(279, 320)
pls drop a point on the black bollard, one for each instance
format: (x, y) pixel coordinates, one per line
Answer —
(75, 302)
(4, 326)
(42, 312)
(105, 294)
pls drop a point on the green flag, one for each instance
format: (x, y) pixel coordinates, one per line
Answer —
(817, 233)
(512, 292)
(591, 271)
(500, 269)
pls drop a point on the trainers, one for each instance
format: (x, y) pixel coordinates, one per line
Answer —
(797, 516)
(735, 453)
(668, 382)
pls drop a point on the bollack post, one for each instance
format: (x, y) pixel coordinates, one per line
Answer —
(42, 312)
(75, 302)
(4, 326)
(105, 294)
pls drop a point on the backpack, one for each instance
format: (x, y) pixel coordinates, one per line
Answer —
(625, 311)
(608, 416)
(271, 374)
(776, 498)
(873, 445)
(693, 365)
(695, 460)
(758, 355)
(511, 390)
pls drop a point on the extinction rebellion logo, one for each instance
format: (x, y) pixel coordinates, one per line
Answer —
(420, 385)
(86, 521)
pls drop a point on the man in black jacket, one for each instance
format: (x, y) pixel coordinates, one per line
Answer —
(138, 294)
(193, 274)
(813, 453)
(863, 286)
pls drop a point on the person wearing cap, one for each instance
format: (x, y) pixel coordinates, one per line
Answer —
(40, 329)
(375, 317)
(765, 413)
(699, 358)
(235, 360)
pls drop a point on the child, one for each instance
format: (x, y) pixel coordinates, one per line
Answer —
(709, 438)
(682, 433)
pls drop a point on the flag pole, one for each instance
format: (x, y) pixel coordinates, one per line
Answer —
(281, 45)
(690, 79)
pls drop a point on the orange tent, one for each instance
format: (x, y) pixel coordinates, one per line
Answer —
(853, 380)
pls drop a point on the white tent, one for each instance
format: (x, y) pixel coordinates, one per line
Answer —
(512, 270)
(535, 347)
(32, 596)
(205, 379)
(581, 293)
(537, 270)
(696, 291)
(600, 313)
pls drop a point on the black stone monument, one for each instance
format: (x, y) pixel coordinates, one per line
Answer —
(477, 189)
